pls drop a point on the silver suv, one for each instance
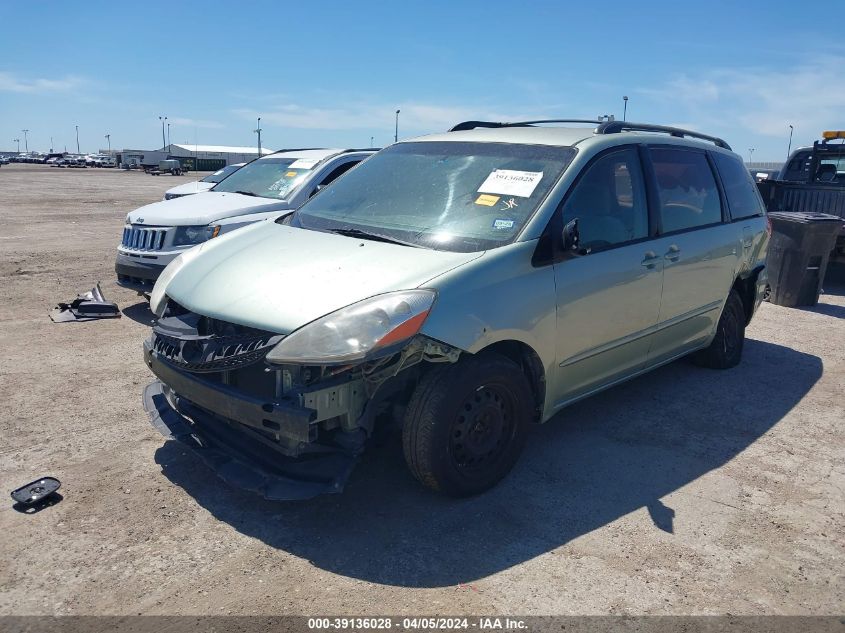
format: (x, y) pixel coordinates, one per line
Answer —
(467, 284)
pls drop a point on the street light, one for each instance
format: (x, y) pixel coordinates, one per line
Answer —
(168, 138)
(789, 148)
(396, 133)
(163, 120)
(625, 108)
(25, 141)
(258, 131)
(750, 154)
(18, 141)
(51, 144)
(371, 141)
(77, 140)
(108, 138)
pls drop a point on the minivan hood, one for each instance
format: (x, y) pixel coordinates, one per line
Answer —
(278, 278)
(196, 210)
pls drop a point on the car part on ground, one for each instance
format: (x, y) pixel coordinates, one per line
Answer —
(799, 253)
(86, 307)
(36, 492)
(467, 283)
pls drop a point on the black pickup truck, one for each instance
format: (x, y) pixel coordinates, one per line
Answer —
(813, 179)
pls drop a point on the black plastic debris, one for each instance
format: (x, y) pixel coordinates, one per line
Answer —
(37, 495)
(86, 307)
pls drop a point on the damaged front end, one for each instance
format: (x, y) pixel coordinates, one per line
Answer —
(285, 431)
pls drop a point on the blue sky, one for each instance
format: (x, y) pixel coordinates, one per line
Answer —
(333, 73)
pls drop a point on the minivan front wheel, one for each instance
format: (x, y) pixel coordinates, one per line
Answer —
(726, 349)
(466, 424)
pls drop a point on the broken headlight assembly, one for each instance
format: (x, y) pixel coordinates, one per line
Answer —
(185, 235)
(358, 331)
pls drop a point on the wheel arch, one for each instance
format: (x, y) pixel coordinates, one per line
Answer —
(529, 361)
(746, 287)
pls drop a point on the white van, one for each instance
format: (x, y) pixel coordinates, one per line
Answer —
(157, 233)
(203, 184)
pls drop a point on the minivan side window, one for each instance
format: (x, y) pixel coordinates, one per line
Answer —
(687, 190)
(743, 199)
(609, 202)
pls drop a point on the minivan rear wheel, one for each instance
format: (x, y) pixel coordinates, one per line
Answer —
(466, 424)
(726, 349)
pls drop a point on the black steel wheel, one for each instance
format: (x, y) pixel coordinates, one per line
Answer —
(466, 424)
(725, 351)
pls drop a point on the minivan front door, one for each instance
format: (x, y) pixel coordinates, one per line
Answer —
(608, 293)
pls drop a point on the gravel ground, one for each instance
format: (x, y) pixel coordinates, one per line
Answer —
(686, 491)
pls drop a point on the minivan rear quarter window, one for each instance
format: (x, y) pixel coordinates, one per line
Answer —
(688, 195)
(743, 199)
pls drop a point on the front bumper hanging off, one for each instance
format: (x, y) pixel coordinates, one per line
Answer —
(238, 456)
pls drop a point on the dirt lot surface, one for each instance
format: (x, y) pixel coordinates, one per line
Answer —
(684, 491)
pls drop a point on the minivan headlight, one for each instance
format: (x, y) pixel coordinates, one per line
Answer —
(356, 331)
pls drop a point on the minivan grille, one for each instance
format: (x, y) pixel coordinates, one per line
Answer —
(144, 238)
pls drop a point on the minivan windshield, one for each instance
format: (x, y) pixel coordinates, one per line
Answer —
(273, 177)
(220, 174)
(454, 196)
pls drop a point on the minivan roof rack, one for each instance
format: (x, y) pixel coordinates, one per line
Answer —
(603, 127)
(614, 127)
(471, 125)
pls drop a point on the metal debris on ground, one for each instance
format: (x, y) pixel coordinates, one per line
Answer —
(86, 307)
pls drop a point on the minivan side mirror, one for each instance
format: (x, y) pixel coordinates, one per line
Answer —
(571, 238)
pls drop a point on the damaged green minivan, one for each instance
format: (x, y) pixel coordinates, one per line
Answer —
(467, 284)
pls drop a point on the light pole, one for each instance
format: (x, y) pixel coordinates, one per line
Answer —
(258, 131)
(750, 154)
(25, 141)
(168, 138)
(108, 138)
(625, 108)
(51, 144)
(18, 141)
(396, 132)
(371, 141)
(789, 148)
(77, 140)
(163, 121)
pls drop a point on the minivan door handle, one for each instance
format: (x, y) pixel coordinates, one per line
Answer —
(674, 253)
(650, 259)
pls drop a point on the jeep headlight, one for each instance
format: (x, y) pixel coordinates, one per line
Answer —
(158, 298)
(356, 331)
(186, 235)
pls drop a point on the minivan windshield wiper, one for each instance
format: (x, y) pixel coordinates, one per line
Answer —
(248, 193)
(371, 236)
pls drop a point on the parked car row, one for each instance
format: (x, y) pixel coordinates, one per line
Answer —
(466, 284)
(65, 160)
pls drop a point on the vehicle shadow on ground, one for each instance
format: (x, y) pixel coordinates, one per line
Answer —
(140, 313)
(595, 462)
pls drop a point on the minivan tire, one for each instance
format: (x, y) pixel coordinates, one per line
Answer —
(725, 351)
(466, 424)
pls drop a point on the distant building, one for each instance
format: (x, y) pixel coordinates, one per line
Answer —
(192, 157)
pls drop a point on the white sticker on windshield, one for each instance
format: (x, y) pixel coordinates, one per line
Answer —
(508, 182)
(304, 163)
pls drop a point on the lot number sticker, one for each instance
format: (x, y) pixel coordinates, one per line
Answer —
(508, 182)
(303, 163)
